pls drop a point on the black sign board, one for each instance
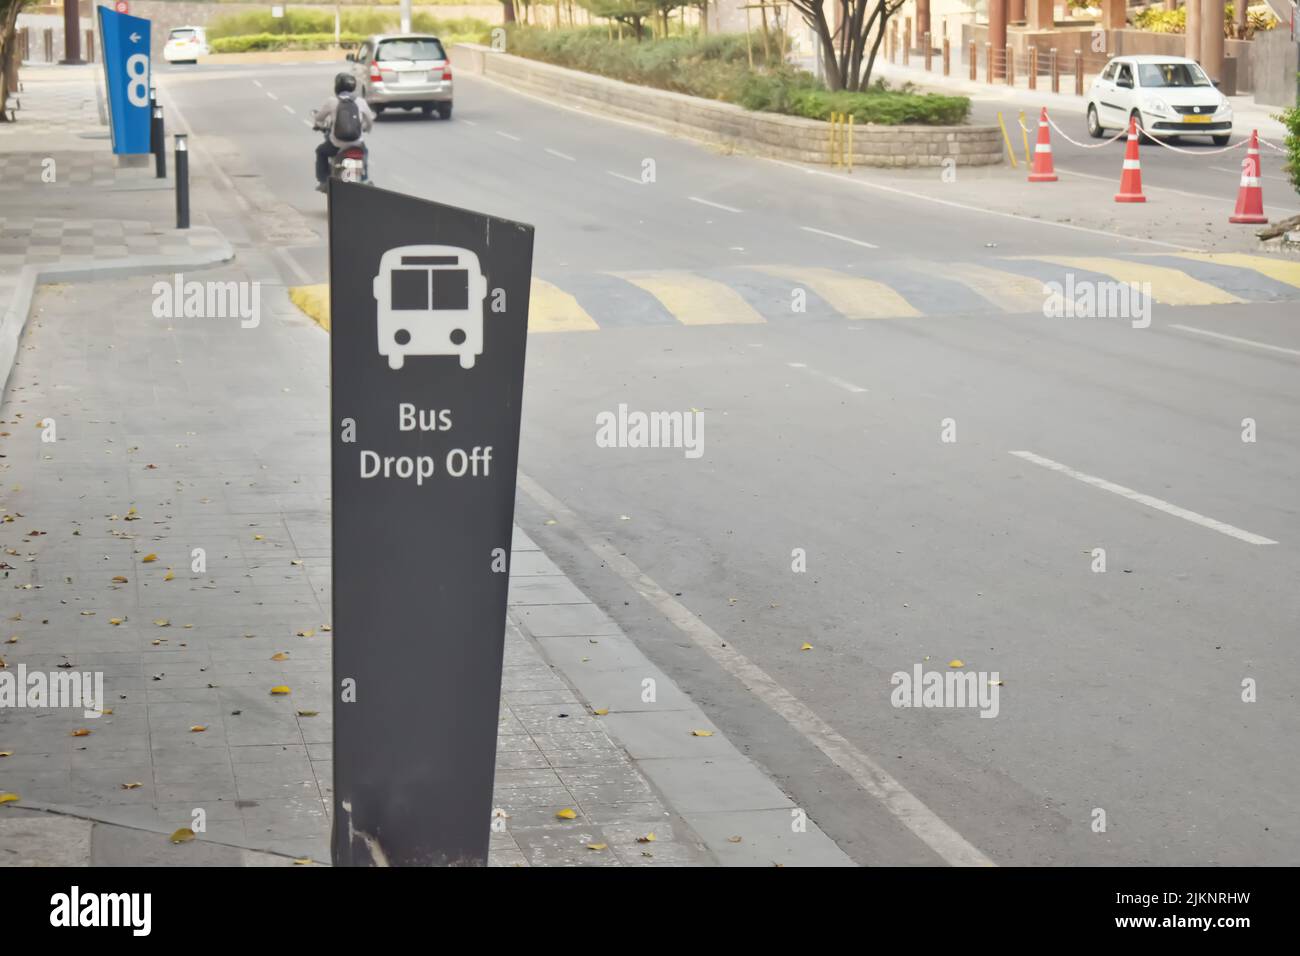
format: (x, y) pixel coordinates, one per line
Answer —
(429, 321)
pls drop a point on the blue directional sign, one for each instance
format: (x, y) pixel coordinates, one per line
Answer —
(125, 40)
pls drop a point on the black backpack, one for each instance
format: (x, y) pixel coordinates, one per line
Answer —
(347, 121)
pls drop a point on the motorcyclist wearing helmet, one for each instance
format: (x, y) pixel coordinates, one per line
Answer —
(345, 88)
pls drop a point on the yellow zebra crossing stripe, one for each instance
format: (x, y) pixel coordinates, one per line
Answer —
(1279, 269)
(1009, 291)
(693, 300)
(551, 309)
(851, 296)
(1168, 286)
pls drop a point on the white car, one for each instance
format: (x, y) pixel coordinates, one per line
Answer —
(186, 45)
(1169, 95)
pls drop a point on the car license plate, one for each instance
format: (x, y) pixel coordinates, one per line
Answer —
(411, 76)
(1193, 118)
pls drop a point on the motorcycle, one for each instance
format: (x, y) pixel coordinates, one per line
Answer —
(351, 163)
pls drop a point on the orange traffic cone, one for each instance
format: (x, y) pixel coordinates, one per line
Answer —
(1043, 171)
(1250, 197)
(1130, 181)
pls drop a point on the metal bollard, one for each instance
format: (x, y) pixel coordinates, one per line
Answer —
(947, 56)
(928, 51)
(1078, 72)
(1056, 71)
(90, 46)
(988, 62)
(158, 140)
(182, 182)
(1033, 67)
(1011, 67)
(974, 50)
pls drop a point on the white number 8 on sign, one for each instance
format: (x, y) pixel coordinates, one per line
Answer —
(137, 71)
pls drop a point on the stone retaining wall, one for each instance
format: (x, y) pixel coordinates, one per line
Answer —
(767, 134)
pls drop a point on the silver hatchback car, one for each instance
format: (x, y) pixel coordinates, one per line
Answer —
(404, 70)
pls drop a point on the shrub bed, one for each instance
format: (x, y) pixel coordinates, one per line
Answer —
(717, 67)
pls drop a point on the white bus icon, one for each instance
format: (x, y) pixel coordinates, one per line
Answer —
(430, 302)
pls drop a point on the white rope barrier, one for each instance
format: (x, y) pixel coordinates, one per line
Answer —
(1066, 136)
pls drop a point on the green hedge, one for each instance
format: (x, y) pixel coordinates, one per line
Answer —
(717, 67)
(1291, 119)
(280, 41)
(798, 94)
(714, 66)
(361, 23)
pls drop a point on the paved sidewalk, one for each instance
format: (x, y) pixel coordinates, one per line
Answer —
(55, 167)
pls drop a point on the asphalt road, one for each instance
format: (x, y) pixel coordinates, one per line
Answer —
(1122, 691)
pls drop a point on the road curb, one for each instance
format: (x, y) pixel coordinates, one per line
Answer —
(734, 808)
(313, 301)
(14, 318)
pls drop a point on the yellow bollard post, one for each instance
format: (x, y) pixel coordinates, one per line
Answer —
(1007, 139)
(850, 149)
(1024, 133)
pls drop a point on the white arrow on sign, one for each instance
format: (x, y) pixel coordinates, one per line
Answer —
(135, 38)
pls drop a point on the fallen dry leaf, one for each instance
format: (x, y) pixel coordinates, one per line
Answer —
(601, 711)
(309, 713)
(597, 846)
(701, 733)
(120, 579)
(162, 622)
(132, 786)
(307, 633)
(183, 835)
(9, 798)
(81, 732)
(149, 558)
(198, 729)
(806, 646)
(648, 838)
(281, 656)
(956, 663)
(280, 689)
(169, 575)
(566, 814)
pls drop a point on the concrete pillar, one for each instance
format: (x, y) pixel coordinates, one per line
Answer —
(1040, 14)
(71, 32)
(1017, 12)
(1192, 37)
(998, 34)
(922, 19)
(1212, 37)
(1112, 14)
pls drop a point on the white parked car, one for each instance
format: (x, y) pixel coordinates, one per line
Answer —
(1169, 95)
(186, 45)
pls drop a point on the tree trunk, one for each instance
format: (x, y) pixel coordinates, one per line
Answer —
(508, 13)
(875, 48)
(8, 50)
(860, 41)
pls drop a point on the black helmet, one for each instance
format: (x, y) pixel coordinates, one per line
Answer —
(345, 83)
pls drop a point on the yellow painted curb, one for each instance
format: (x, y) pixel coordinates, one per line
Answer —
(314, 301)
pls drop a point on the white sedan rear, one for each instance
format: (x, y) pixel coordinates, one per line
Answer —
(185, 45)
